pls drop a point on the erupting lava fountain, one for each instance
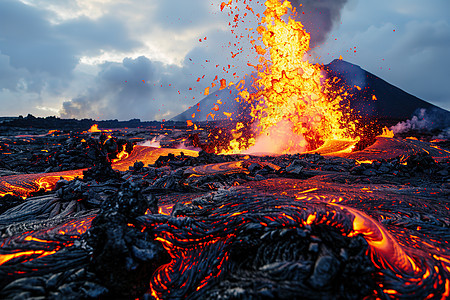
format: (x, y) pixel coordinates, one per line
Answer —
(294, 108)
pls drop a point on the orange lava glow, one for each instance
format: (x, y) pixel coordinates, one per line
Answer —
(148, 155)
(26, 184)
(165, 209)
(48, 182)
(74, 229)
(40, 253)
(94, 128)
(294, 105)
(387, 133)
(122, 154)
(388, 251)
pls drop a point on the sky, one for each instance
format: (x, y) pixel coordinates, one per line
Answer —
(152, 59)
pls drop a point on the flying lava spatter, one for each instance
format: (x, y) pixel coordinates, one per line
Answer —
(294, 104)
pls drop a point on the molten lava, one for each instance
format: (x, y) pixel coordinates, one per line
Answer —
(121, 155)
(387, 133)
(26, 184)
(294, 105)
(94, 128)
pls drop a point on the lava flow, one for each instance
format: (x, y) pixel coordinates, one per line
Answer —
(293, 223)
(28, 184)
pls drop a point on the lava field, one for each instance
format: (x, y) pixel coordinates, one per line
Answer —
(88, 215)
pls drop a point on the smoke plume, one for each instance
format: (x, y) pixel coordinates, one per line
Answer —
(318, 17)
(423, 119)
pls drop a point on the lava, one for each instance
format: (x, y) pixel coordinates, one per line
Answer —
(293, 99)
(94, 128)
(387, 133)
(203, 236)
(27, 184)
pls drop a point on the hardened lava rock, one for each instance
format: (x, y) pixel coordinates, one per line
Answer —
(59, 276)
(101, 171)
(8, 201)
(237, 245)
(124, 257)
(295, 264)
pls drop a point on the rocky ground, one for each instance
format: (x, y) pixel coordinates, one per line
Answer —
(374, 223)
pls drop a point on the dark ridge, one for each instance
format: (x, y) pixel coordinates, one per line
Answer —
(53, 122)
(392, 102)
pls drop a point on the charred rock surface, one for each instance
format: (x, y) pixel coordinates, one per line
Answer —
(415, 169)
(55, 153)
(9, 201)
(123, 257)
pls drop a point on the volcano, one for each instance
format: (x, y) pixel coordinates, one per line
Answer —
(391, 102)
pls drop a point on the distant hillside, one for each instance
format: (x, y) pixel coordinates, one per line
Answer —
(391, 102)
(31, 121)
(221, 103)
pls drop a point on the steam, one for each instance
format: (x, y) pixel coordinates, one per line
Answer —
(155, 142)
(423, 119)
(279, 139)
(319, 18)
(138, 88)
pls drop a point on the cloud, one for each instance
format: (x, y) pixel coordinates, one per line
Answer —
(30, 41)
(134, 88)
(149, 89)
(153, 88)
(38, 58)
(81, 52)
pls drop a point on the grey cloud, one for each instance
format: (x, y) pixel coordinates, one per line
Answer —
(319, 17)
(33, 43)
(22, 80)
(414, 57)
(88, 36)
(146, 89)
(131, 89)
(9, 76)
(175, 14)
(418, 60)
(38, 58)
(423, 36)
(422, 60)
